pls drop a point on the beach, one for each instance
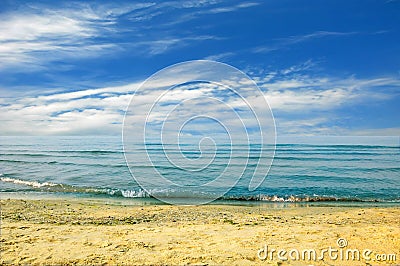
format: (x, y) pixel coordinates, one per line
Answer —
(199, 132)
(85, 231)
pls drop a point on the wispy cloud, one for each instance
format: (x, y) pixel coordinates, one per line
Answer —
(391, 131)
(220, 56)
(38, 35)
(160, 46)
(231, 8)
(315, 35)
(302, 104)
(35, 35)
(285, 42)
(307, 94)
(193, 10)
(80, 112)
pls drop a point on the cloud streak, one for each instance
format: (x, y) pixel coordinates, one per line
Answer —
(281, 43)
(301, 105)
(315, 35)
(38, 35)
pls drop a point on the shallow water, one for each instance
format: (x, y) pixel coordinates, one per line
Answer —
(96, 166)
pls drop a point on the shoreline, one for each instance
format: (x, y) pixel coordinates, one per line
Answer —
(85, 231)
(108, 199)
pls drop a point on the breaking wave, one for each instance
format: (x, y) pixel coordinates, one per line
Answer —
(167, 193)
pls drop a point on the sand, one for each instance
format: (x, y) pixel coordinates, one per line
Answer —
(67, 231)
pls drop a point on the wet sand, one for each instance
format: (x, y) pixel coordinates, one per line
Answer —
(68, 231)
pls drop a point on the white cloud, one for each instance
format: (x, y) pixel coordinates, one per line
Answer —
(264, 49)
(305, 127)
(231, 8)
(160, 46)
(292, 40)
(298, 68)
(307, 94)
(306, 100)
(193, 10)
(34, 36)
(377, 132)
(302, 104)
(315, 35)
(220, 56)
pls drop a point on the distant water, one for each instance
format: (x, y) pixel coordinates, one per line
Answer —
(96, 166)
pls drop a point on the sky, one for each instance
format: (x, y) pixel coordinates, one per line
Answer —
(326, 68)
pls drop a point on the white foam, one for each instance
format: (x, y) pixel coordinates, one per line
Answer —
(134, 194)
(28, 183)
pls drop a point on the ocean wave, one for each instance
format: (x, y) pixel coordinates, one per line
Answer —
(48, 186)
(54, 187)
(293, 198)
(65, 163)
(167, 193)
(33, 184)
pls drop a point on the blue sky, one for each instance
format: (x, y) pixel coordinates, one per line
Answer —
(325, 67)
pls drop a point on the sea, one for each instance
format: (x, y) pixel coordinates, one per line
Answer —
(302, 170)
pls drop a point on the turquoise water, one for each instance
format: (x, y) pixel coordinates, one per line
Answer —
(96, 166)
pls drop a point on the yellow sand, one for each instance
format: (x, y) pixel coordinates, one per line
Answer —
(87, 232)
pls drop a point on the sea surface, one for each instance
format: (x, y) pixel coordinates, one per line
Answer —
(96, 167)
